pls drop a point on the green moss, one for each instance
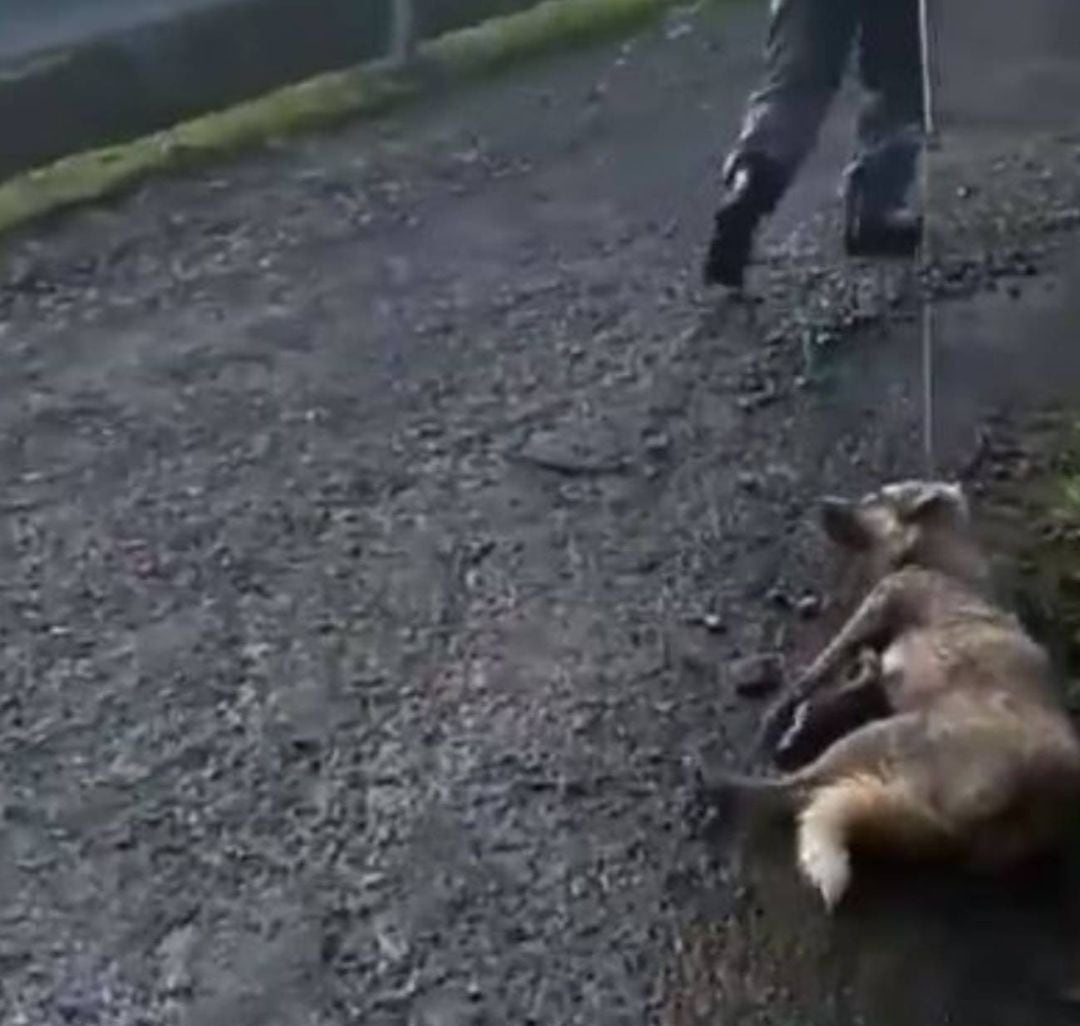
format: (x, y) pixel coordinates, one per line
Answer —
(494, 44)
(86, 177)
(1031, 522)
(317, 103)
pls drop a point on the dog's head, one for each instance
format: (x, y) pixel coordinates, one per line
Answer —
(901, 523)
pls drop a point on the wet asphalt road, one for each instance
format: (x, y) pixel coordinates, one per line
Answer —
(387, 517)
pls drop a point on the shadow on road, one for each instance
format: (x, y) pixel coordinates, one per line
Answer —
(924, 947)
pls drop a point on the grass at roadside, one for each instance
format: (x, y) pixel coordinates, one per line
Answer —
(1031, 514)
(320, 102)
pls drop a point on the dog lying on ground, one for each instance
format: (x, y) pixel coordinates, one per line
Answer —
(952, 739)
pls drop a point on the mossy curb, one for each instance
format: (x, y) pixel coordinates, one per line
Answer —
(320, 102)
(93, 175)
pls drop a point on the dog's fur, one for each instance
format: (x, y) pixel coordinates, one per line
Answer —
(975, 757)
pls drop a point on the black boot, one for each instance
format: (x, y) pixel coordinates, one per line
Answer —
(754, 187)
(878, 219)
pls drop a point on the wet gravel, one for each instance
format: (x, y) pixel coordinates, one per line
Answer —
(390, 517)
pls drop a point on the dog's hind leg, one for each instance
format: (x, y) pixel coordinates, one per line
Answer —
(822, 721)
(857, 794)
(882, 614)
(868, 749)
(851, 812)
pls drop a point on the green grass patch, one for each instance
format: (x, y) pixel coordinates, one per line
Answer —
(494, 44)
(1030, 516)
(87, 177)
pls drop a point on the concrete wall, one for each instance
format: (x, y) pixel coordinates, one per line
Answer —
(32, 25)
(29, 26)
(138, 65)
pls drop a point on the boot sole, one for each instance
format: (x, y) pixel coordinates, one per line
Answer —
(898, 246)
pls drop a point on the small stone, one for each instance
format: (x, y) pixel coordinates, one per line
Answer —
(808, 606)
(574, 450)
(749, 481)
(83, 1006)
(597, 92)
(580, 722)
(713, 623)
(176, 951)
(447, 1008)
(757, 675)
(657, 444)
(757, 399)
(779, 598)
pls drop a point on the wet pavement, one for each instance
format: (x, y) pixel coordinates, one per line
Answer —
(389, 516)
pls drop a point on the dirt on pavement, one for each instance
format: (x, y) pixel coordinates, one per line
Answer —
(389, 520)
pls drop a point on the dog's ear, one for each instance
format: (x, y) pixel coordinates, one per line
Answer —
(843, 523)
(941, 500)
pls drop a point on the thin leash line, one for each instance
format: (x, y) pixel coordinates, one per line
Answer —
(925, 253)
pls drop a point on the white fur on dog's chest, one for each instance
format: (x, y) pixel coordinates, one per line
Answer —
(911, 669)
(892, 662)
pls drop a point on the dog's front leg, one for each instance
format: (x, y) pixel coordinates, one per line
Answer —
(878, 619)
(822, 719)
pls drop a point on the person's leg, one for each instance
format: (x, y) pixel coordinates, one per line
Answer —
(805, 55)
(881, 219)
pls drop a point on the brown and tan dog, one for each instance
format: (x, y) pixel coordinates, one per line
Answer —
(964, 749)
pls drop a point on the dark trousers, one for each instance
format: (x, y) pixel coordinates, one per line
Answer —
(807, 52)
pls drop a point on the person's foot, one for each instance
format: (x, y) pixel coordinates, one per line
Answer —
(877, 224)
(732, 240)
(753, 188)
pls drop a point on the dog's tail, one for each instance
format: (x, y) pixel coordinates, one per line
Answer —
(737, 797)
(883, 813)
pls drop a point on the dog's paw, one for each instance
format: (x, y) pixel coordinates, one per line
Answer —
(780, 721)
(866, 667)
(794, 745)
